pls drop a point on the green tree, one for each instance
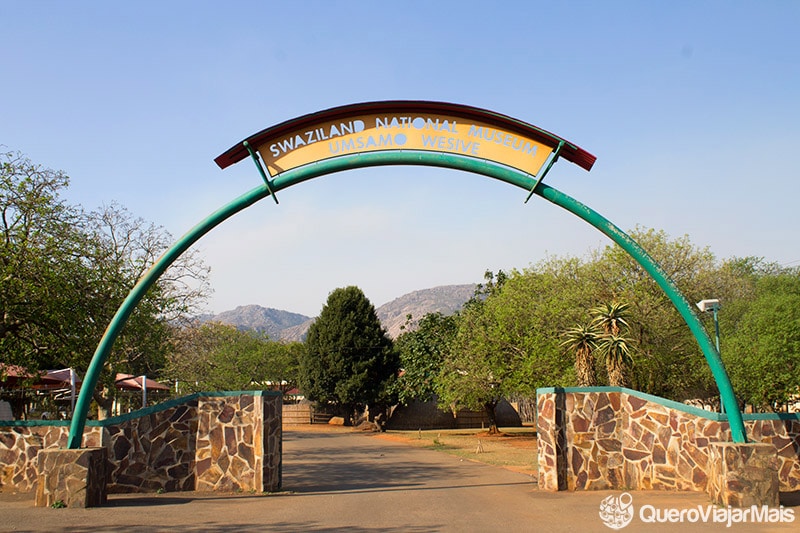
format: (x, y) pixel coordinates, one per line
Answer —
(64, 273)
(41, 266)
(284, 368)
(215, 356)
(474, 374)
(528, 315)
(507, 343)
(761, 345)
(220, 357)
(119, 249)
(422, 353)
(350, 362)
(668, 360)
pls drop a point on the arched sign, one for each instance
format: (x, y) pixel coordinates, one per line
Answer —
(406, 125)
(405, 133)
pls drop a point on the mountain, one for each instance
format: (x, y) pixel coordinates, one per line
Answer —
(445, 299)
(283, 325)
(297, 333)
(261, 319)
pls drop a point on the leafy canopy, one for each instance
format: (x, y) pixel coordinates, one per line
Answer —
(65, 271)
(349, 361)
(422, 353)
(216, 356)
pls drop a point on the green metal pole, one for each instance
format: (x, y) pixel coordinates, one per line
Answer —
(727, 397)
(134, 297)
(371, 159)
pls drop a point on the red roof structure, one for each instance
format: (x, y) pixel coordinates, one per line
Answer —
(131, 382)
(15, 375)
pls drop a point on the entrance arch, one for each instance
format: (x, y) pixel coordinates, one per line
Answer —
(406, 133)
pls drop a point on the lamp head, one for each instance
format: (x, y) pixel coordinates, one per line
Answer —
(708, 305)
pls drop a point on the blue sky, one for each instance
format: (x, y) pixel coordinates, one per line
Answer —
(692, 109)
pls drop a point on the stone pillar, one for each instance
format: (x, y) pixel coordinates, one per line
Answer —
(741, 475)
(239, 443)
(76, 478)
(273, 443)
(552, 445)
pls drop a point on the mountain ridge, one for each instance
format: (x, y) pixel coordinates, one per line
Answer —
(284, 325)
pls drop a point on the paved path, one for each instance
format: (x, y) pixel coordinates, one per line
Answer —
(337, 481)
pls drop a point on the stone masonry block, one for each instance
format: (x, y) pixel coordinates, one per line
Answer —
(741, 475)
(76, 478)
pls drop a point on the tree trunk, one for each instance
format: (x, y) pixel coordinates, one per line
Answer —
(584, 369)
(617, 376)
(378, 414)
(347, 412)
(488, 407)
(104, 404)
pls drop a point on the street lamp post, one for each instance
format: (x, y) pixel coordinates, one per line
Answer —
(711, 305)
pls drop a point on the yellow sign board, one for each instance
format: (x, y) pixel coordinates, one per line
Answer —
(402, 131)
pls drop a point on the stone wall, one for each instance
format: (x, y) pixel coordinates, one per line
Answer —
(614, 438)
(20, 444)
(783, 432)
(155, 448)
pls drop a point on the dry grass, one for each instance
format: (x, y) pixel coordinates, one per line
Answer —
(513, 448)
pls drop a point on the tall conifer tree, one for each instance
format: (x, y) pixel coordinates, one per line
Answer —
(349, 362)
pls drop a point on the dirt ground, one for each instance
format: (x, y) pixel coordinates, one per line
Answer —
(339, 479)
(513, 448)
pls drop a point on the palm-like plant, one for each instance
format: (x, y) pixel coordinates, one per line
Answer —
(617, 354)
(610, 317)
(583, 340)
(613, 346)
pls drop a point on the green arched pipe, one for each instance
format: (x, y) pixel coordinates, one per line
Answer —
(330, 166)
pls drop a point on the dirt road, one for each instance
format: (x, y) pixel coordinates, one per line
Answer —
(337, 481)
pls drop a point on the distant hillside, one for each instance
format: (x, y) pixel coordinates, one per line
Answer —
(446, 299)
(283, 325)
(262, 319)
(297, 333)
